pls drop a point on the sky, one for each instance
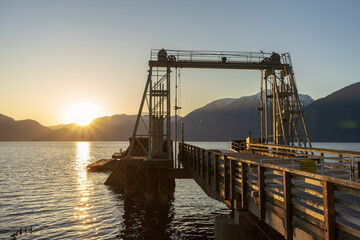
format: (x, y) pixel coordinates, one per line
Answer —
(57, 54)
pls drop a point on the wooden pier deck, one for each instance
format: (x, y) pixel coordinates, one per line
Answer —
(297, 204)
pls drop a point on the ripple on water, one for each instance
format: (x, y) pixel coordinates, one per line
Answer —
(45, 185)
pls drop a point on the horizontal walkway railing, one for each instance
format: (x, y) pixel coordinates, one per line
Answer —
(330, 160)
(292, 202)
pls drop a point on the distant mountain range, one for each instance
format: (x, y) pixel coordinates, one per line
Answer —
(24, 130)
(335, 117)
(116, 127)
(228, 118)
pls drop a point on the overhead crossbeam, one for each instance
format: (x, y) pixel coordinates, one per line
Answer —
(217, 65)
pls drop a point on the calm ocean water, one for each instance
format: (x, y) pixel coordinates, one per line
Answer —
(45, 185)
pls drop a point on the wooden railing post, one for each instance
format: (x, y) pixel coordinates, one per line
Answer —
(209, 167)
(203, 164)
(184, 149)
(287, 206)
(186, 152)
(232, 185)
(329, 210)
(261, 183)
(198, 161)
(179, 155)
(226, 178)
(189, 153)
(196, 157)
(244, 202)
(188, 157)
(194, 154)
(193, 162)
(352, 169)
(216, 184)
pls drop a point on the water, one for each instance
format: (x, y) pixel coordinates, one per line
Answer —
(45, 185)
(338, 146)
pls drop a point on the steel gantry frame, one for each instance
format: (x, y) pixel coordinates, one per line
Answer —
(281, 114)
(280, 101)
(155, 115)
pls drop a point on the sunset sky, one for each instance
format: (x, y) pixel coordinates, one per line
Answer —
(55, 55)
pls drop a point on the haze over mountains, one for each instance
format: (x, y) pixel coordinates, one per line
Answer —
(335, 117)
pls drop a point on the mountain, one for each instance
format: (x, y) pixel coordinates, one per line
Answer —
(226, 119)
(24, 130)
(336, 117)
(116, 127)
(69, 126)
(246, 102)
(6, 118)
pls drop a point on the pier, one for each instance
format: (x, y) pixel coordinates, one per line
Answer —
(297, 204)
(277, 185)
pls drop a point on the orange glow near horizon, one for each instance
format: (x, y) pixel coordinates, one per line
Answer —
(83, 113)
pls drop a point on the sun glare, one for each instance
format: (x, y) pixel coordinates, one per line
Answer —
(83, 113)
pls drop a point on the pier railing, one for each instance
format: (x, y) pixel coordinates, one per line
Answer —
(295, 203)
(216, 56)
(330, 162)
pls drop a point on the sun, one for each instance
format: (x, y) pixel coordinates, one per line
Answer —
(83, 113)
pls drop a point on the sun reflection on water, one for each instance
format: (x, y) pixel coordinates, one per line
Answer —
(83, 185)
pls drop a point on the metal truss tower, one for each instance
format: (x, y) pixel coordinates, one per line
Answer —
(282, 117)
(155, 115)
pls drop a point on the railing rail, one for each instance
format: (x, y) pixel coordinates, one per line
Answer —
(289, 200)
(329, 166)
(275, 147)
(331, 160)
